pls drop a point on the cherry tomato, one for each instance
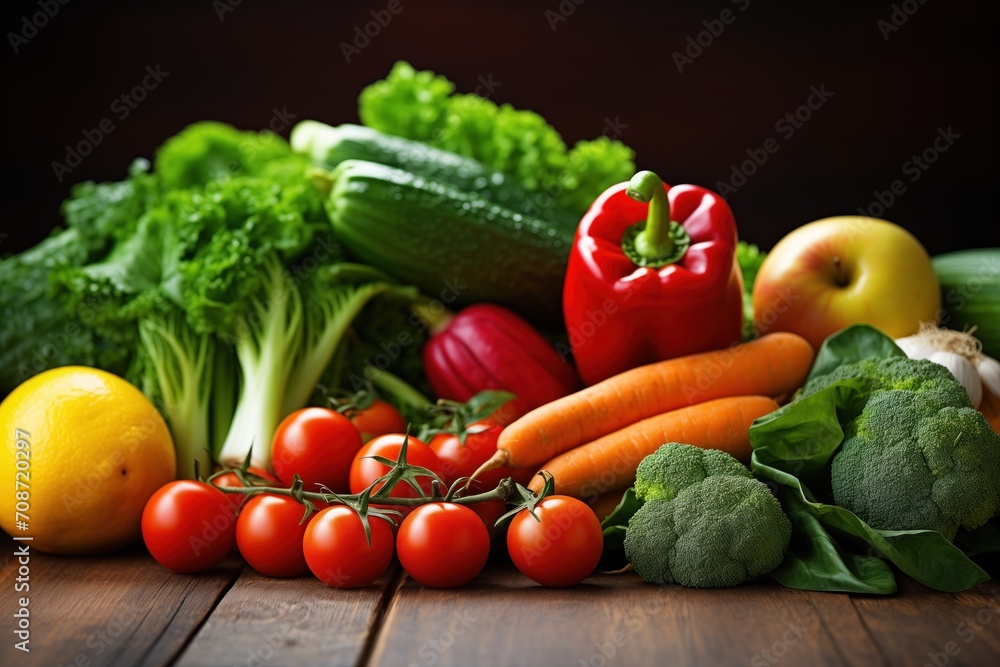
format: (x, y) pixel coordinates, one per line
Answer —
(365, 470)
(338, 553)
(188, 526)
(443, 545)
(269, 534)
(458, 460)
(318, 444)
(562, 547)
(379, 418)
(231, 480)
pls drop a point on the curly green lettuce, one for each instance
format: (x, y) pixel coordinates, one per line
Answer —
(423, 106)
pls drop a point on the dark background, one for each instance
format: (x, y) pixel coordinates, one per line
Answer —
(607, 60)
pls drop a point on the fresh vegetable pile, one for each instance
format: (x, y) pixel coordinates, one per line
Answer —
(441, 335)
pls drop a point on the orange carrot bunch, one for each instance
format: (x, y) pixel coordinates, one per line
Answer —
(592, 441)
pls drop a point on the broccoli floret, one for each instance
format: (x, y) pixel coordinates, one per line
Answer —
(718, 532)
(932, 381)
(674, 466)
(908, 464)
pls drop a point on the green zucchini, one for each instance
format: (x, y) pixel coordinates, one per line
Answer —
(327, 146)
(970, 293)
(448, 242)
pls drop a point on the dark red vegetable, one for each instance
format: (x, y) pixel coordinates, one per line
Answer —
(485, 346)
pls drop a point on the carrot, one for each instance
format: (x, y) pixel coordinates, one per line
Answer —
(990, 407)
(609, 463)
(775, 365)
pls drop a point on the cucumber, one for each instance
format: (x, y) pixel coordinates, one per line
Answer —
(970, 293)
(450, 243)
(327, 146)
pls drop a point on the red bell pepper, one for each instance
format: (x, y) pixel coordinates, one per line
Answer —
(486, 346)
(652, 275)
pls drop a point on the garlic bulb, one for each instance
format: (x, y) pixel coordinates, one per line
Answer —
(958, 351)
(916, 346)
(989, 373)
(962, 369)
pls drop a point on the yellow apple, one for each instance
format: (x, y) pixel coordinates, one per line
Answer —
(843, 270)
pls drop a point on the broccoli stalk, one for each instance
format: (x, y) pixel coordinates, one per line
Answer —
(282, 358)
(181, 367)
(265, 339)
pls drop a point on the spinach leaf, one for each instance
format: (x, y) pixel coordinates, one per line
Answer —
(850, 344)
(816, 562)
(796, 442)
(614, 524)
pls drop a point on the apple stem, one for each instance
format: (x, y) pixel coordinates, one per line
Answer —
(658, 240)
(838, 266)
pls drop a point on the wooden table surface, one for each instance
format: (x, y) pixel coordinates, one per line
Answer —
(126, 610)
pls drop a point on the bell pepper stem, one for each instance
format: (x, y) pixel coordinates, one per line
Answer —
(655, 240)
(658, 240)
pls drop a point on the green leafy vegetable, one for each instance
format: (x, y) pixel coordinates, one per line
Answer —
(37, 331)
(128, 293)
(815, 561)
(614, 525)
(750, 258)
(210, 151)
(220, 271)
(423, 106)
(796, 444)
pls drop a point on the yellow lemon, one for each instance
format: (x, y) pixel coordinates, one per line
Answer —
(81, 451)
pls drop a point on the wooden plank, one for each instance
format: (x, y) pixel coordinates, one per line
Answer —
(298, 621)
(502, 618)
(124, 609)
(919, 626)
